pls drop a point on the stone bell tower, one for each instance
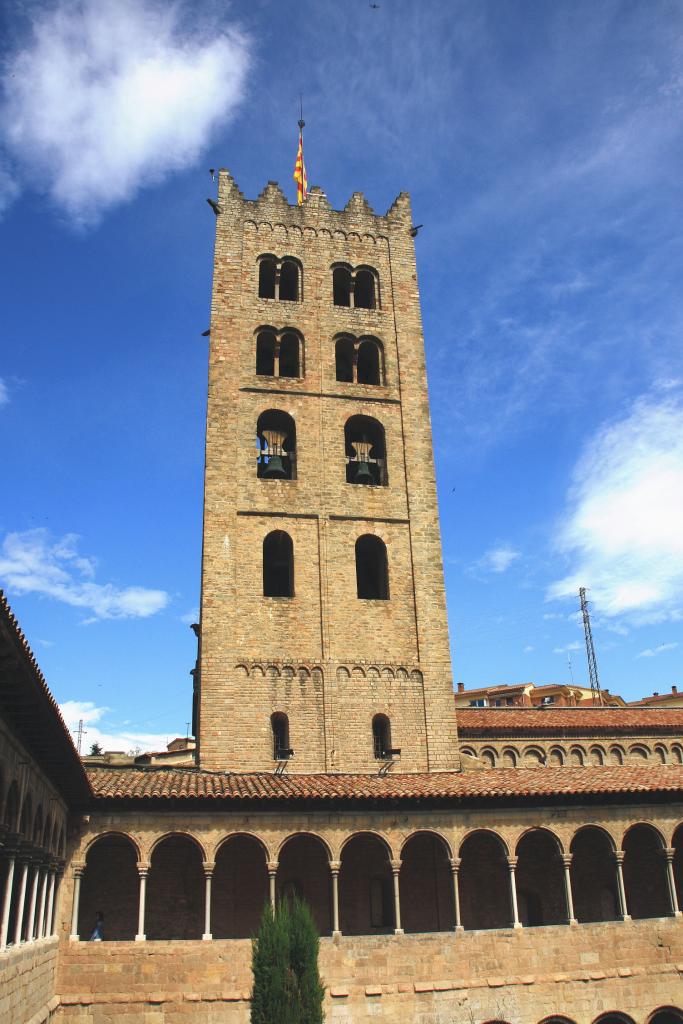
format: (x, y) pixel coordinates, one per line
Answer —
(324, 643)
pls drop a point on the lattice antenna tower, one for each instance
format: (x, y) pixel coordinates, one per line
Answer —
(590, 649)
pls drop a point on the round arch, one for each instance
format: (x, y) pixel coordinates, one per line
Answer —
(540, 878)
(239, 889)
(645, 873)
(304, 871)
(181, 833)
(536, 829)
(175, 888)
(614, 1017)
(366, 885)
(593, 874)
(247, 835)
(484, 880)
(110, 886)
(426, 886)
(430, 832)
(665, 1015)
(93, 840)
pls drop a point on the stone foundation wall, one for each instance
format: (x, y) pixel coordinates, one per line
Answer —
(519, 977)
(27, 983)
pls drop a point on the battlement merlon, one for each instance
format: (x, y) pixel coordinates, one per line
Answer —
(315, 212)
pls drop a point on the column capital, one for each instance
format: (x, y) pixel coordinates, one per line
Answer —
(272, 867)
(512, 863)
(143, 870)
(78, 869)
(209, 867)
(395, 866)
(567, 859)
(669, 852)
(619, 856)
(335, 866)
(455, 863)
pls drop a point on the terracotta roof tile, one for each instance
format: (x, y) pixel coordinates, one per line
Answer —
(135, 783)
(579, 720)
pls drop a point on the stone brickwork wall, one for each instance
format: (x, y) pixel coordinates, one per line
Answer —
(325, 658)
(498, 751)
(27, 982)
(519, 977)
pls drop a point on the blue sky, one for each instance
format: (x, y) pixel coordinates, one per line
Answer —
(542, 144)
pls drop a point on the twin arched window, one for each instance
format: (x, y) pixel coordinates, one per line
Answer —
(355, 287)
(280, 278)
(372, 568)
(278, 354)
(359, 360)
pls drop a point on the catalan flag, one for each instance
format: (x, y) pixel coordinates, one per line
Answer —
(300, 172)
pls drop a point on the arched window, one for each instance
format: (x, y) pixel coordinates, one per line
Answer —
(266, 277)
(279, 278)
(364, 290)
(357, 287)
(372, 571)
(381, 737)
(278, 354)
(278, 565)
(369, 367)
(279, 724)
(265, 354)
(366, 461)
(289, 356)
(342, 283)
(289, 281)
(276, 443)
(345, 359)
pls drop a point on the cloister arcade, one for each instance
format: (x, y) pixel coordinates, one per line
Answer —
(176, 886)
(32, 851)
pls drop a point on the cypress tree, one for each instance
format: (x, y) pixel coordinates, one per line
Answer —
(271, 1001)
(287, 986)
(304, 946)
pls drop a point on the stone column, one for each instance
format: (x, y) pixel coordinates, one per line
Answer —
(50, 903)
(21, 903)
(623, 907)
(208, 875)
(7, 899)
(40, 918)
(567, 860)
(272, 872)
(30, 921)
(143, 871)
(335, 866)
(455, 870)
(512, 864)
(669, 854)
(395, 869)
(78, 874)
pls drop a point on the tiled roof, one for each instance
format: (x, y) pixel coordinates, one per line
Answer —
(481, 721)
(193, 783)
(32, 711)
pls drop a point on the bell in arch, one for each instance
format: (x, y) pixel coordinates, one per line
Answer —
(363, 474)
(276, 454)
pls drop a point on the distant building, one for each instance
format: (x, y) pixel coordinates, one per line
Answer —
(672, 699)
(530, 695)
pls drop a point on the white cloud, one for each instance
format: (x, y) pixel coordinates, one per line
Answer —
(498, 559)
(109, 96)
(33, 563)
(652, 652)
(528, 649)
(553, 615)
(4, 391)
(189, 617)
(573, 646)
(96, 731)
(622, 530)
